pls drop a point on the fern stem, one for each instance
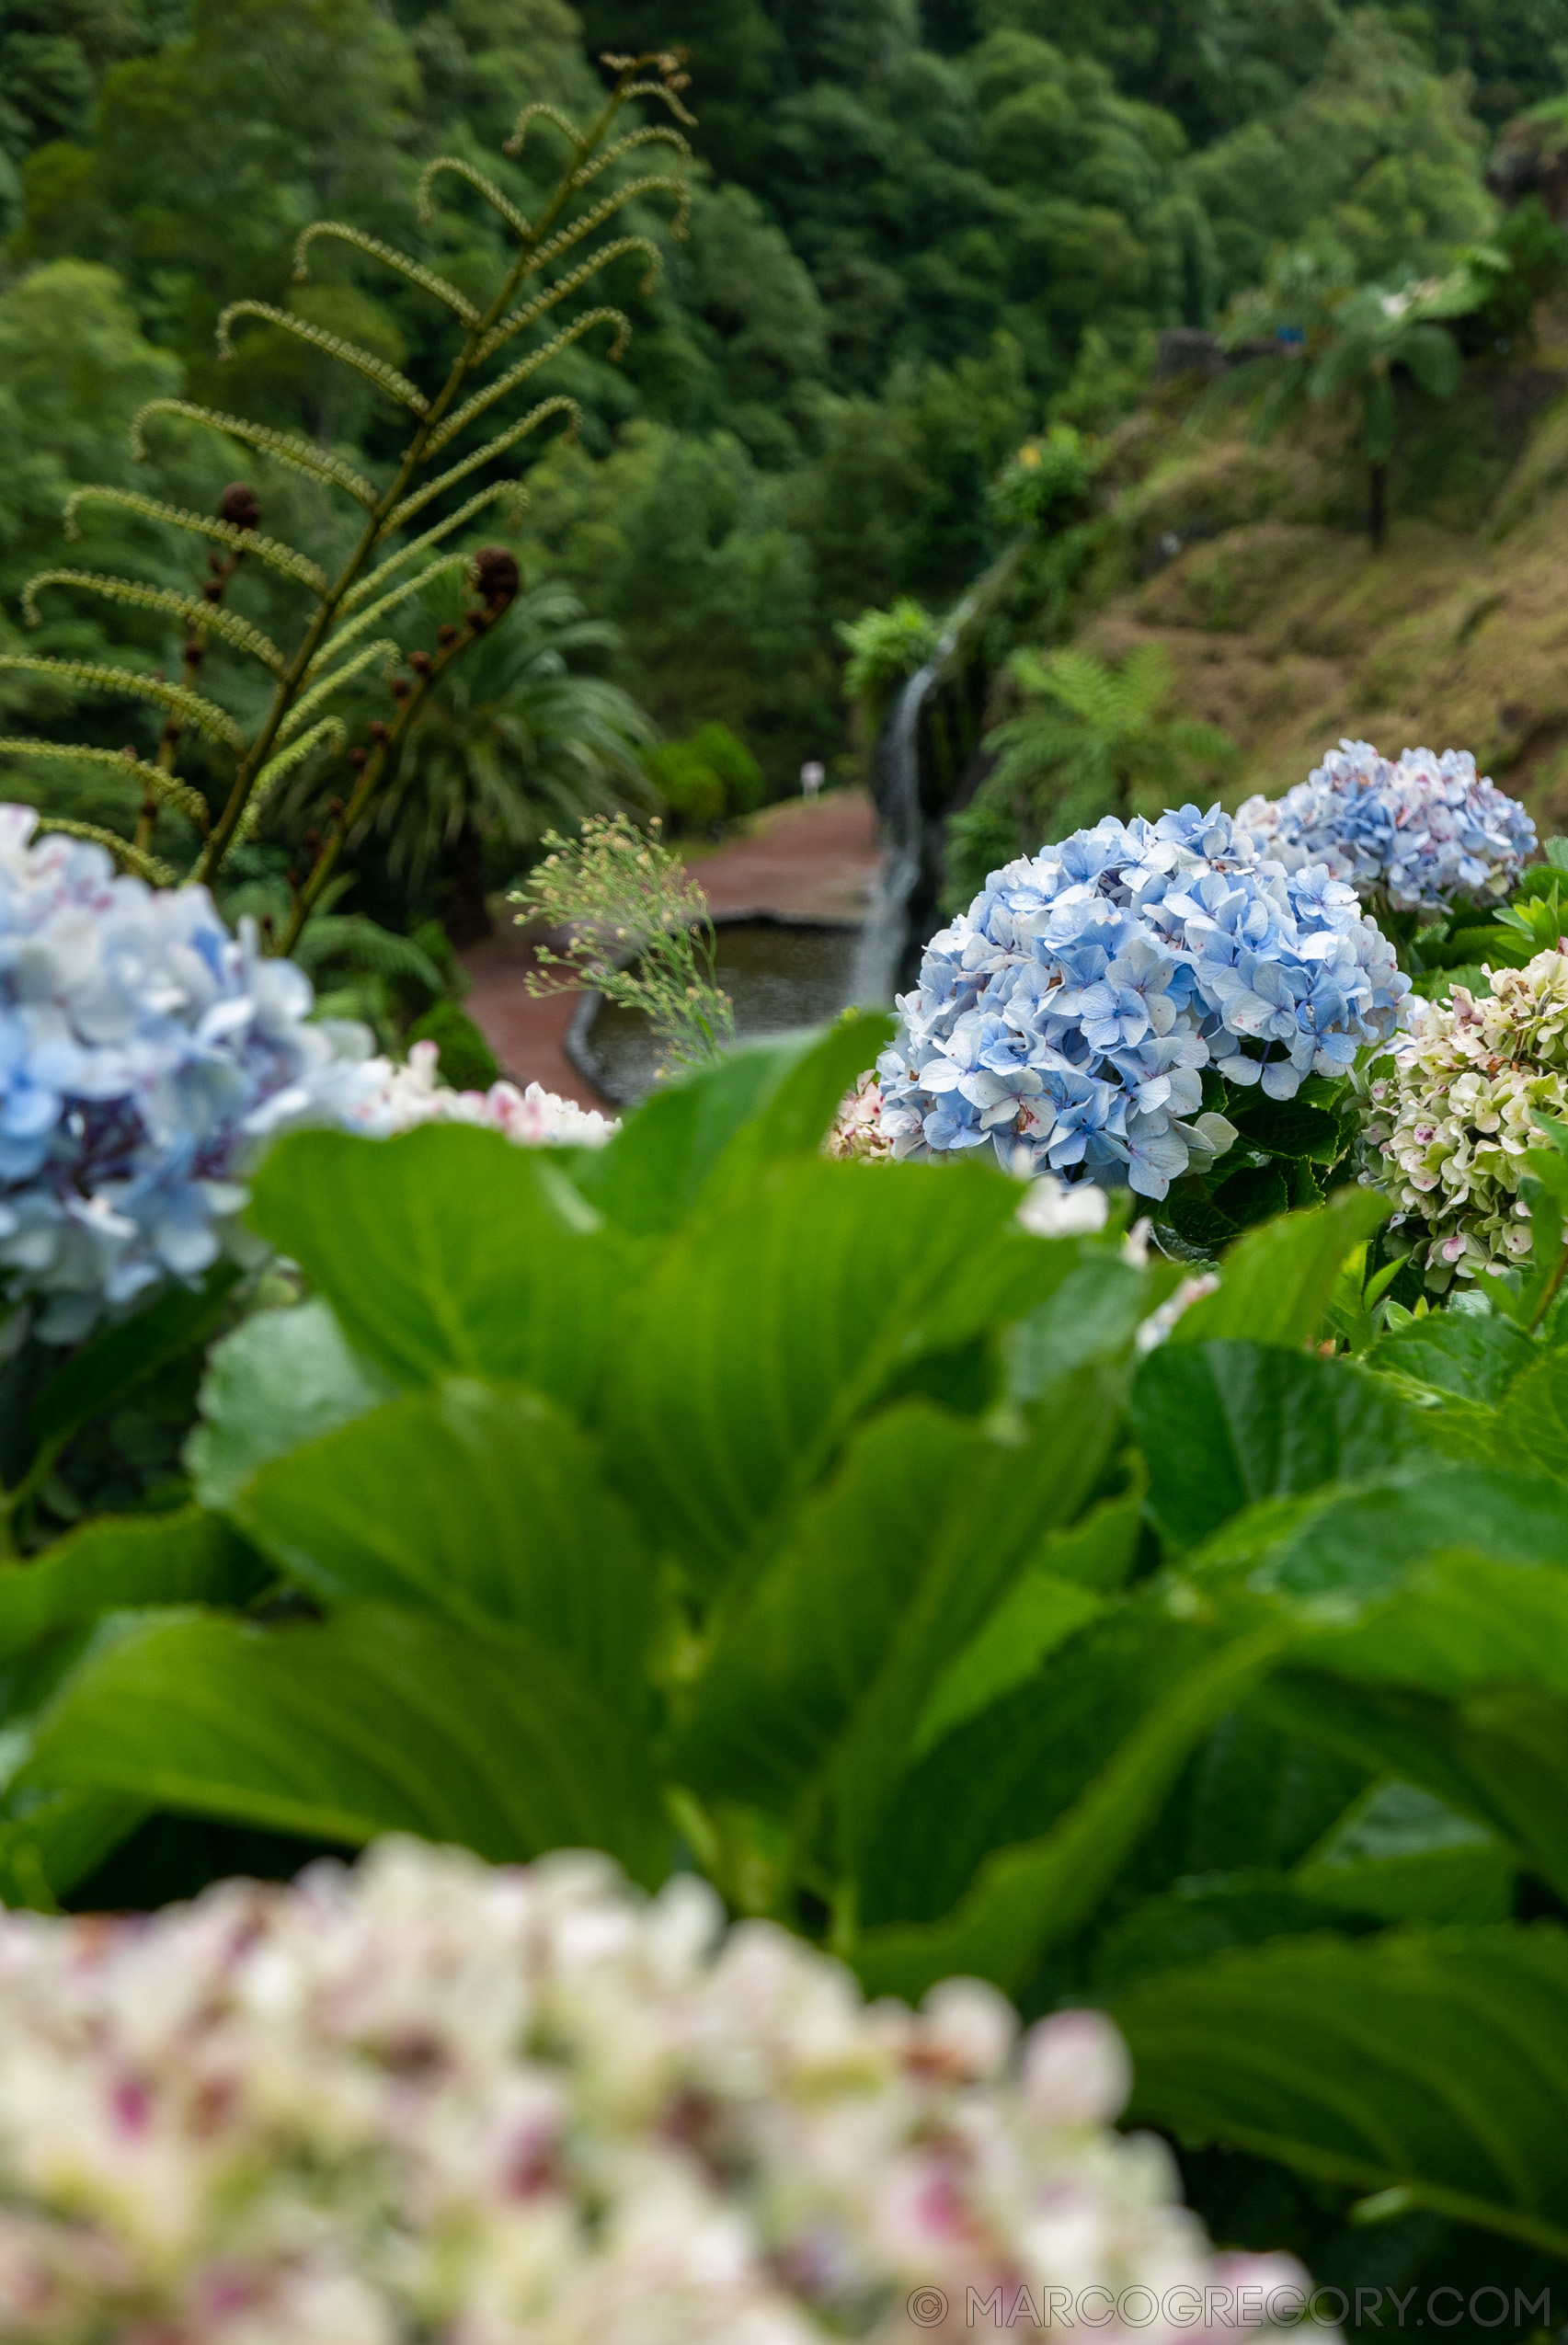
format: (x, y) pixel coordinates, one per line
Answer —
(298, 667)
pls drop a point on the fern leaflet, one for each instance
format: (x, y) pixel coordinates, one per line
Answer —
(212, 616)
(214, 722)
(285, 446)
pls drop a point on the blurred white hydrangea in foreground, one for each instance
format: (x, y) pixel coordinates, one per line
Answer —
(393, 1099)
(1419, 835)
(430, 2101)
(145, 1055)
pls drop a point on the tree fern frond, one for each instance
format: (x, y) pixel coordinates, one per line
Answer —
(211, 616)
(525, 367)
(216, 723)
(152, 509)
(661, 134)
(558, 405)
(514, 144)
(153, 780)
(388, 648)
(569, 284)
(377, 578)
(353, 937)
(659, 89)
(386, 378)
(415, 270)
(273, 771)
(320, 464)
(476, 179)
(144, 866)
(366, 618)
(606, 209)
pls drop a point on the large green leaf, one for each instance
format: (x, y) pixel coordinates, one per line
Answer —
(1473, 1355)
(1200, 1915)
(830, 1657)
(57, 1841)
(766, 1329)
(479, 1502)
(1434, 2063)
(1036, 1613)
(1402, 1855)
(800, 1112)
(1356, 1548)
(1224, 1424)
(281, 1378)
(1276, 1283)
(776, 1098)
(1093, 1314)
(449, 1252)
(1533, 1427)
(377, 1721)
(114, 1561)
(1026, 1898)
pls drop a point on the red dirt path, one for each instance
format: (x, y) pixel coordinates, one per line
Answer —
(818, 860)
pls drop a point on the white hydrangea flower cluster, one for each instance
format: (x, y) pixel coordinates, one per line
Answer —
(426, 2100)
(1065, 1019)
(145, 1055)
(1420, 835)
(1455, 1118)
(389, 1099)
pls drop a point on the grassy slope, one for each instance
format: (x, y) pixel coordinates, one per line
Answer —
(1289, 631)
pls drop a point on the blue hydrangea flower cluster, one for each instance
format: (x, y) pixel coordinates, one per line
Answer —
(1064, 1021)
(1420, 836)
(145, 1052)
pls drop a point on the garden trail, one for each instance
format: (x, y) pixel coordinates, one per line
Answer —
(816, 861)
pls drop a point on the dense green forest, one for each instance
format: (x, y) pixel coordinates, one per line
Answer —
(916, 237)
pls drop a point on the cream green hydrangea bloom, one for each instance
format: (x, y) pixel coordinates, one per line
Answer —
(1455, 1117)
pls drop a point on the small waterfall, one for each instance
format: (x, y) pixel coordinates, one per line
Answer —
(875, 974)
(911, 856)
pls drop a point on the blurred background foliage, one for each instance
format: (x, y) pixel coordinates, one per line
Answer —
(926, 241)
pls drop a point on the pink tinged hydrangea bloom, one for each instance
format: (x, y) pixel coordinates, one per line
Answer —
(1455, 1117)
(426, 2100)
(1419, 835)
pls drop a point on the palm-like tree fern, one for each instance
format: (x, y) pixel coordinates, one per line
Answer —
(347, 611)
(1335, 341)
(520, 743)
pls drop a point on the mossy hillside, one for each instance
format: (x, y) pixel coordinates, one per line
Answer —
(1285, 629)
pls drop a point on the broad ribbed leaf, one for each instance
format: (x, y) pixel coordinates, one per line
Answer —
(1223, 1425)
(1402, 1855)
(449, 1252)
(1036, 1613)
(763, 1332)
(281, 1378)
(478, 1502)
(1533, 1427)
(831, 1660)
(1026, 1898)
(62, 1838)
(1362, 1546)
(377, 1721)
(1435, 2064)
(113, 1563)
(1472, 1355)
(1276, 1283)
(649, 1177)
